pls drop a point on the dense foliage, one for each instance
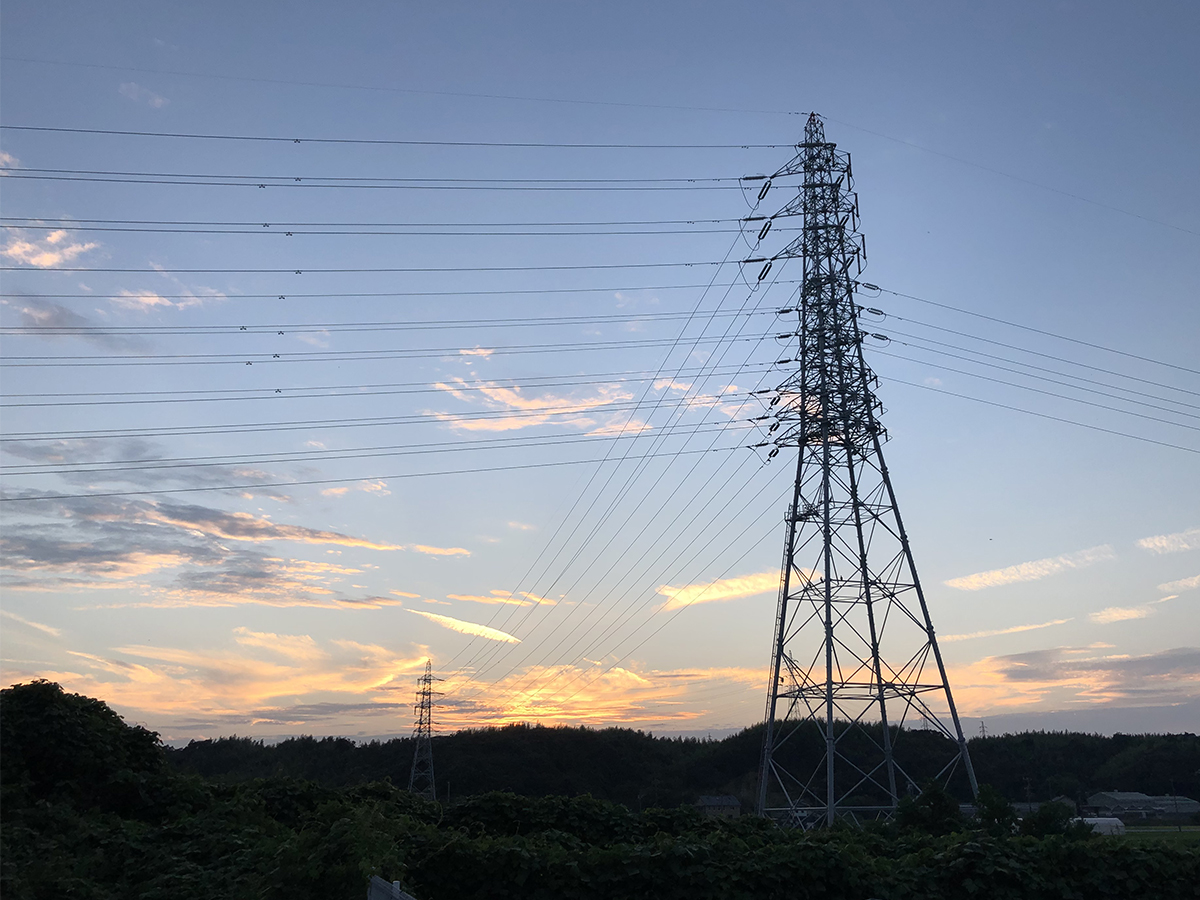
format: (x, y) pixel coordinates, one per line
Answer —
(640, 770)
(91, 809)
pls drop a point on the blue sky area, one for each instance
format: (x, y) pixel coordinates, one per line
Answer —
(459, 366)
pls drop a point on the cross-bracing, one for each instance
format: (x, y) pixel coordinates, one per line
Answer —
(855, 662)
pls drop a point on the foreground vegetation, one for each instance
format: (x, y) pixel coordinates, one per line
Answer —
(93, 809)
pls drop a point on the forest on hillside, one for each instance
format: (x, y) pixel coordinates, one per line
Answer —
(639, 770)
(94, 808)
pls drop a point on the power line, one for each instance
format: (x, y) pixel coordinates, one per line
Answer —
(18, 170)
(170, 359)
(425, 447)
(1053, 334)
(1078, 387)
(410, 232)
(67, 224)
(1056, 358)
(322, 327)
(579, 497)
(311, 482)
(199, 182)
(1041, 415)
(340, 295)
(389, 141)
(395, 90)
(879, 134)
(1027, 387)
(310, 271)
(358, 422)
(350, 390)
(490, 655)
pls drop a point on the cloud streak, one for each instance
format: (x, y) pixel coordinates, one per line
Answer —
(48, 629)
(1183, 584)
(1032, 571)
(1172, 543)
(1120, 614)
(516, 410)
(471, 628)
(721, 590)
(133, 91)
(1016, 629)
(241, 526)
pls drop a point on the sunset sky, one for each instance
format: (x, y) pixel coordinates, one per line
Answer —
(459, 364)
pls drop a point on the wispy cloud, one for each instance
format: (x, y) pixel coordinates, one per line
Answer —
(38, 313)
(1172, 543)
(299, 647)
(515, 409)
(140, 300)
(437, 551)
(471, 628)
(477, 351)
(1183, 584)
(503, 598)
(43, 252)
(188, 295)
(1119, 614)
(133, 91)
(1032, 571)
(48, 629)
(496, 598)
(242, 526)
(723, 589)
(1015, 629)
(377, 487)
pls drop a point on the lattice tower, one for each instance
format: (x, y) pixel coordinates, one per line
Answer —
(855, 663)
(420, 780)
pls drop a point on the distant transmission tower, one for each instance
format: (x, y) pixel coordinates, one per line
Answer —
(854, 662)
(420, 781)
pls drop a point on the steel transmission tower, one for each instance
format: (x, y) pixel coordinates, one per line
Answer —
(420, 780)
(854, 660)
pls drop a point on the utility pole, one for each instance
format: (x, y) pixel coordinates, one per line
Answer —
(420, 780)
(855, 663)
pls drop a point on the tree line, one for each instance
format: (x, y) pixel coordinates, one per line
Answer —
(640, 770)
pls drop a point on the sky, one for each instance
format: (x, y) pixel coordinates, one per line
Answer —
(459, 364)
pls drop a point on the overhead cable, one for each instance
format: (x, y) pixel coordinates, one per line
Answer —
(277, 139)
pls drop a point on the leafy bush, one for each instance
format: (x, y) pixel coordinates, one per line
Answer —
(933, 811)
(996, 815)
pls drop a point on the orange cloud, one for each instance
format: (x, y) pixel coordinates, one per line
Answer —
(723, 589)
(437, 551)
(471, 628)
(1032, 571)
(501, 598)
